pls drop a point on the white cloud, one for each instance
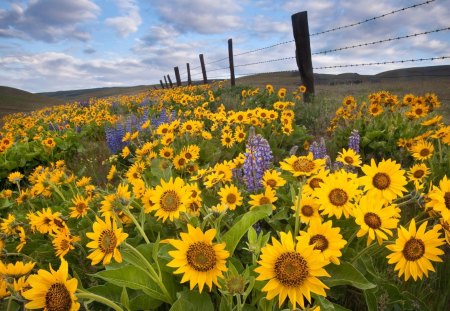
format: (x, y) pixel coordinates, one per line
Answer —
(201, 16)
(48, 20)
(129, 22)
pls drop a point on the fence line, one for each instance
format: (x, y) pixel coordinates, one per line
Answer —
(302, 25)
(381, 41)
(372, 18)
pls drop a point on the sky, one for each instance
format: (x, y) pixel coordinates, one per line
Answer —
(53, 45)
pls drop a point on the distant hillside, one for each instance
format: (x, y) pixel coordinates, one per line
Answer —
(85, 94)
(14, 100)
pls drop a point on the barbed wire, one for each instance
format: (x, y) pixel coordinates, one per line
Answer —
(264, 48)
(265, 61)
(383, 63)
(217, 69)
(218, 60)
(371, 19)
(380, 41)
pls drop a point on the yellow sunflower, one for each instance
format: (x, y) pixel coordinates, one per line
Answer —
(291, 270)
(179, 162)
(52, 291)
(418, 173)
(349, 157)
(302, 165)
(336, 195)
(268, 197)
(16, 269)
(199, 259)
(170, 199)
(422, 150)
(15, 177)
(230, 196)
(273, 179)
(440, 198)
(106, 240)
(80, 208)
(325, 238)
(375, 219)
(383, 182)
(309, 209)
(314, 182)
(414, 249)
(227, 140)
(166, 152)
(63, 242)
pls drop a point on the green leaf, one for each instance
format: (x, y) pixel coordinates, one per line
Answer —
(235, 234)
(144, 302)
(134, 278)
(124, 300)
(110, 291)
(347, 274)
(193, 301)
(371, 300)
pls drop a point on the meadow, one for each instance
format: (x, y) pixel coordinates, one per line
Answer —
(216, 198)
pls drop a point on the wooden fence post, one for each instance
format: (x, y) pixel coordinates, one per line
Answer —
(177, 75)
(202, 63)
(165, 80)
(189, 74)
(303, 52)
(230, 56)
(170, 81)
(162, 85)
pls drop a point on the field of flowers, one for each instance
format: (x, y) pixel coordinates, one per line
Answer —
(211, 198)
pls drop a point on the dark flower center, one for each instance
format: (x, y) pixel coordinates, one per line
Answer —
(58, 298)
(307, 210)
(231, 198)
(338, 197)
(447, 200)
(348, 160)
(381, 181)
(303, 165)
(315, 183)
(107, 241)
(201, 256)
(419, 173)
(425, 152)
(372, 220)
(413, 249)
(319, 241)
(291, 269)
(169, 201)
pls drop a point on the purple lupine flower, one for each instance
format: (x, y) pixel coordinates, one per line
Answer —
(114, 136)
(258, 159)
(318, 149)
(353, 141)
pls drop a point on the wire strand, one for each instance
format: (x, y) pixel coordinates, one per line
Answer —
(371, 19)
(380, 41)
(383, 63)
(265, 61)
(264, 48)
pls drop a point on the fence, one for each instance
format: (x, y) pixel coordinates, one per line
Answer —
(302, 53)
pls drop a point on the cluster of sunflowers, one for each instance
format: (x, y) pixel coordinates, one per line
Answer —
(197, 193)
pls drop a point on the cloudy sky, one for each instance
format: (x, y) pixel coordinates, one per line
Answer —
(51, 45)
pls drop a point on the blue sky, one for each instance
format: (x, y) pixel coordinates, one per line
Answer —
(51, 45)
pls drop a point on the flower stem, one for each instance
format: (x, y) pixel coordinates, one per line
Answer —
(297, 211)
(87, 295)
(136, 223)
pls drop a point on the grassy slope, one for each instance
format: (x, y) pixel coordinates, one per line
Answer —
(14, 100)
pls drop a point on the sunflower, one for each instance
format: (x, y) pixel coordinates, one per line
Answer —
(349, 157)
(375, 109)
(179, 162)
(8, 225)
(314, 182)
(52, 291)
(422, 150)
(227, 140)
(239, 134)
(432, 121)
(81, 206)
(111, 173)
(414, 249)
(291, 270)
(417, 173)
(230, 196)
(269, 88)
(273, 179)
(63, 242)
(115, 203)
(106, 239)
(440, 198)
(191, 152)
(384, 182)
(16, 269)
(325, 238)
(268, 197)
(281, 93)
(15, 177)
(166, 152)
(302, 165)
(336, 194)
(199, 259)
(375, 220)
(170, 199)
(309, 209)
(45, 221)
(49, 142)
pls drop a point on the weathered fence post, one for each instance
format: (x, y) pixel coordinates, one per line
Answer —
(177, 75)
(303, 52)
(230, 56)
(162, 85)
(170, 81)
(188, 74)
(202, 63)
(165, 80)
